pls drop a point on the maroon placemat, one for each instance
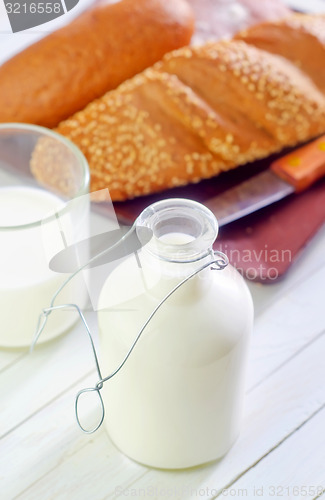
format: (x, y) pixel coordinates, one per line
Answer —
(264, 245)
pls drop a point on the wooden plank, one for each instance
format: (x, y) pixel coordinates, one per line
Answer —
(311, 260)
(274, 409)
(44, 444)
(303, 325)
(9, 357)
(302, 477)
(43, 375)
(263, 333)
(279, 333)
(287, 326)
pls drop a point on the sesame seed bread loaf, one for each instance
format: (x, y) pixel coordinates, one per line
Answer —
(299, 38)
(105, 45)
(199, 111)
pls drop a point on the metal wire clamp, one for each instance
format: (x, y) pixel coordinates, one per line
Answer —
(218, 262)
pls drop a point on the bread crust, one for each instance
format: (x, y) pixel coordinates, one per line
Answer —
(298, 38)
(105, 45)
(198, 112)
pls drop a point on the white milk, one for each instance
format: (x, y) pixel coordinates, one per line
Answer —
(26, 282)
(177, 402)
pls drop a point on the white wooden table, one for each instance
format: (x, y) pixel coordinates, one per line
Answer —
(279, 454)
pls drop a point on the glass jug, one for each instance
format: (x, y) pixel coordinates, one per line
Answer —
(178, 400)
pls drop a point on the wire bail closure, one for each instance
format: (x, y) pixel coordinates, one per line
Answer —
(218, 262)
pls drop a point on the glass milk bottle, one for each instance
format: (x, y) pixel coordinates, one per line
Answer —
(177, 401)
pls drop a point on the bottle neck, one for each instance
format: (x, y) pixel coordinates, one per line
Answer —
(183, 232)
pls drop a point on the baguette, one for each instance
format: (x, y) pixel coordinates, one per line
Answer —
(198, 112)
(298, 38)
(63, 72)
